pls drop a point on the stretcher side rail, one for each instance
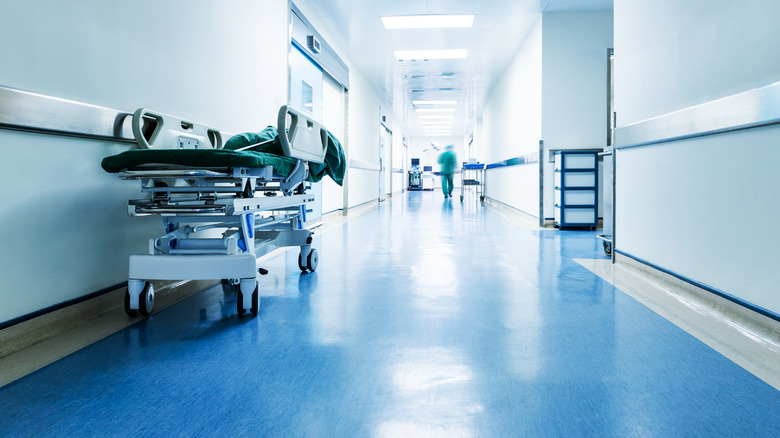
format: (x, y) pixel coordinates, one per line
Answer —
(256, 209)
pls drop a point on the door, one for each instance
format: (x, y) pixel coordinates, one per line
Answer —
(306, 96)
(384, 145)
(333, 118)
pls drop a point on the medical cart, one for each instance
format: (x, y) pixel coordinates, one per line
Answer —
(473, 174)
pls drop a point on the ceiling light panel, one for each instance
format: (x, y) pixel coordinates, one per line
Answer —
(428, 21)
(434, 102)
(434, 116)
(431, 54)
(435, 110)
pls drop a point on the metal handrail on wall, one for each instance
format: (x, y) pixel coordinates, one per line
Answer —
(32, 112)
(750, 109)
(364, 165)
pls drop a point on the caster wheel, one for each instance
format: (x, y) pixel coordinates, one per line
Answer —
(312, 260)
(608, 249)
(130, 312)
(146, 299)
(301, 265)
(461, 199)
(255, 302)
(240, 302)
(255, 308)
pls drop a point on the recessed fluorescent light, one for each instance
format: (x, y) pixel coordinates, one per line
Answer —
(431, 54)
(427, 21)
(434, 102)
(438, 135)
(436, 116)
(435, 110)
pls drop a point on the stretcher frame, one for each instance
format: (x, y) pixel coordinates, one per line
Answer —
(256, 209)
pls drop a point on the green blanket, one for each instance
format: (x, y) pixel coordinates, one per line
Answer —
(268, 154)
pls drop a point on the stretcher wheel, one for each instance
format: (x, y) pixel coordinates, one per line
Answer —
(146, 299)
(608, 248)
(255, 302)
(240, 302)
(130, 312)
(312, 260)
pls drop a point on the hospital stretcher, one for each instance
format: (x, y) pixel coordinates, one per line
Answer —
(222, 207)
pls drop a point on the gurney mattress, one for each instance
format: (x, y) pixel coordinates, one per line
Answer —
(268, 153)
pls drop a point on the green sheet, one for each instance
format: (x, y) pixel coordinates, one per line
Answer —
(334, 164)
(269, 154)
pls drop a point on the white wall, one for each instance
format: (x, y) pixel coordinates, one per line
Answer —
(704, 208)
(554, 90)
(574, 78)
(363, 139)
(64, 229)
(398, 161)
(512, 127)
(512, 120)
(687, 53)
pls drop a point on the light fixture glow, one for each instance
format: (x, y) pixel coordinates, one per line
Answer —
(438, 135)
(431, 54)
(436, 116)
(435, 110)
(434, 102)
(427, 21)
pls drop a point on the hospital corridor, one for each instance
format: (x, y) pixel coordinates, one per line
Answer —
(426, 317)
(361, 218)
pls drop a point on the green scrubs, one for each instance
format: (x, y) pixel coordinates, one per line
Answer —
(447, 161)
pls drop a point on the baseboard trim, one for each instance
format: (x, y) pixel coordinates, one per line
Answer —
(742, 312)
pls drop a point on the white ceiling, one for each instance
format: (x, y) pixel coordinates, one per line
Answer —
(500, 26)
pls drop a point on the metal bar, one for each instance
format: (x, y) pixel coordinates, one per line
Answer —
(751, 109)
(365, 165)
(273, 220)
(190, 173)
(516, 161)
(239, 205)
(541, 184)
(26, 111)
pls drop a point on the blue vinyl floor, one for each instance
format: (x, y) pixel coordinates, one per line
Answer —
(425, 317)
